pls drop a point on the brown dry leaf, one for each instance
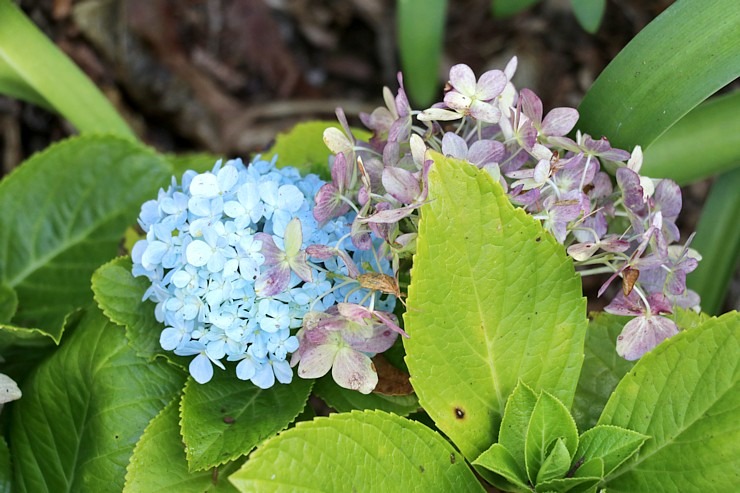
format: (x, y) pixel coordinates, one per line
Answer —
(391, 380)
(629, 278)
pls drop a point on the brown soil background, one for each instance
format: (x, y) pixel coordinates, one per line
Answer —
(226, 76)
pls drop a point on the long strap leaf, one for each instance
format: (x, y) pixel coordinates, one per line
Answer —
(33, 69)
(685, 55)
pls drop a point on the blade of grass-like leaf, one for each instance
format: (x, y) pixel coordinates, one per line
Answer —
(589, 13)
(677, 61)
(505, 8)
(701, 144)
(12, 85)
(45, 70)
(421, 25)
(718, 240)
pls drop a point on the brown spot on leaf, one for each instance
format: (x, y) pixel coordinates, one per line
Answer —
(459, 413)
(229, 420)
(452, 458)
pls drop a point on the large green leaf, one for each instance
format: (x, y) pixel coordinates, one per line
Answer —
(228, 417)
(493, 300)
(64, 213)
(158, 463)
(678, 60)
(346, 400)
(718, 241)
(359, 451)
(118, 293)
(602, 368)
(421, 29)
(703, 143)
(612, 444)
(684, 395)
(32, 68)
(8, 303)
(83, 410)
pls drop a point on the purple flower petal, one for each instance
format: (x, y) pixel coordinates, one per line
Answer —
(453, 145)
(462, 79)
(559, 121)
(483, 152)
(642, 334)
(531, 105)
(317, 361)
(328, 204)
(401, 184)
(485, 112)
(490, 85)
(353, 370)
(273, 281)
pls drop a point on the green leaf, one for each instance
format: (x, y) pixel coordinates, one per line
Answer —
(64, 213)
(345, 400)
(421, 29)
(515, 422)
(602, 368)
(574, 485)
(681, 58)
(612, 444)
(684, 395)
(493, 300)
(699, 145)
(397, 455)
(8, 303)
(499, 460)
(589, 13)
(88, 405)
(507, 8)
(5, 471)
(549, 422)
(303, 147)
(118, 294)
(33, 68)
(228, 417)
(556, 464)
(718, 240)
(158, 463)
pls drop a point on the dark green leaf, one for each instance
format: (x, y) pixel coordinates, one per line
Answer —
(8, 303)
(5, 471)
(83, 410)
(602, 369)
(64, 214)
(681, 58)
(227, 417)
(506, 8)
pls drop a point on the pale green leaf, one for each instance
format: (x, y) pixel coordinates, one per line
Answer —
(199, 162)
(612, 444)
(84, 409)
(499, 460)
(515, 421)
(227, 417)
(64, 214)
(303, 147)
(35, 69)
(368, 451)
(602, 368)
(550, 421)
(493, 300)
(718, 240)
(158, 463)
(421, 30)
(682, 57)
(556, 464)
(589, 13)
(346, 400)
(684, 395)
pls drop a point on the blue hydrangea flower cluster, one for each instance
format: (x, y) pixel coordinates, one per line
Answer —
(209, 253)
